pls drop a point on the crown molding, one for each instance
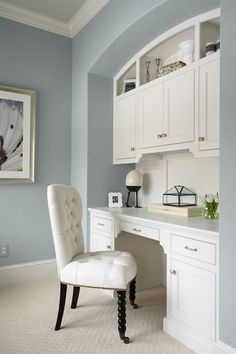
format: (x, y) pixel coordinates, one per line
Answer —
(87, 11)
(30, 18)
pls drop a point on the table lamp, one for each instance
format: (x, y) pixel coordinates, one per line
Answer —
(133, 182)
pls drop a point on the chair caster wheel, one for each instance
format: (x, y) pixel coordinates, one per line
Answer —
(135, 306)
(125, 339)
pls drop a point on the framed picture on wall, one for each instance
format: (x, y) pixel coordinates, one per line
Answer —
(17, 135)
(114, 200)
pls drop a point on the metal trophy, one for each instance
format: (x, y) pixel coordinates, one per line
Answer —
(158, 64)
(147, 63)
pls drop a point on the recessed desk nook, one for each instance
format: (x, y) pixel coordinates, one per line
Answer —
(166, 122)
(191, 248)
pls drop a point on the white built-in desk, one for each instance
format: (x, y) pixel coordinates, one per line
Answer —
(191, 247)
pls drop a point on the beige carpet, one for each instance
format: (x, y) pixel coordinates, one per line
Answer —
(28, 314)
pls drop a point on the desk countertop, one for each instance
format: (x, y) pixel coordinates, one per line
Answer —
(194, 223)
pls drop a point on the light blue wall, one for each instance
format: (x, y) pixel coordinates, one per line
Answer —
(36, 59)
(228, 174)
(39, 60)
(103, 177)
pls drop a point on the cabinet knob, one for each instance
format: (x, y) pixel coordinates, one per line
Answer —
(173, 272)
(132, 149)
(201, 138)
(159, 136)
(164, 135)
(108, 247)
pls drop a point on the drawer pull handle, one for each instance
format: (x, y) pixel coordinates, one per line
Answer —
(159, 136)
(201, 138)
(173, 272)
(164, 135)
(108, 247)
(190, 249)
(137, 230)
(100, 224)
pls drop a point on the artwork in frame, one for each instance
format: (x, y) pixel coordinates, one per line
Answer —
(115, 200)
(17, 135)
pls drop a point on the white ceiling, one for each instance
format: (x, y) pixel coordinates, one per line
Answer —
(60, 10)
(65, 17)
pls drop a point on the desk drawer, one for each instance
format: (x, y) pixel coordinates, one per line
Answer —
(102, 224)
(148, 232)
(199, 250)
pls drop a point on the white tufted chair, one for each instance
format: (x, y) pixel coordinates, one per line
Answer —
(107, 270)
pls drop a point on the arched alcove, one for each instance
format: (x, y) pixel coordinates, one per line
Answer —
(102, 175)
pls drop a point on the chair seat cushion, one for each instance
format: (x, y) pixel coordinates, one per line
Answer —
(108, 269)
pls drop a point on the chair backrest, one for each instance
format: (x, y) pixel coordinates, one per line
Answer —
(65, 210)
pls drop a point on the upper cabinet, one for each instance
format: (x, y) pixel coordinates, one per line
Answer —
(208, 121)
(179, 102)
(166, 111)
(167, 97)
(151, 115)
(125, 129)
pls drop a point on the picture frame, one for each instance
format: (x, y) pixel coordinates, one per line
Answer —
(115, 200)
(128, 85)
(17, 134)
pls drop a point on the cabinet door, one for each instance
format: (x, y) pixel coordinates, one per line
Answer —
(209, 98)
(151, 114)
(179, 98)
(192, 298)
(100, 242)
(125, 127)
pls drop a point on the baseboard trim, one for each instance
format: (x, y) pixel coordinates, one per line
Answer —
(21, 272)
(222, 348)
(189, 338)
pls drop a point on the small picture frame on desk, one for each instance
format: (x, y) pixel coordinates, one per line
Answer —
(128, 85)
(114, 200)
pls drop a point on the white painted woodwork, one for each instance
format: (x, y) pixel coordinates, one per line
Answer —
(191, 280)
(141, 230)
(193, 298)
(179, 99)
(166, 112)
(209, 98)
(151, 116)
(100, 242)
(125, 127)
(195, 249)
(51, 15)
(102, 224)
(175, 110)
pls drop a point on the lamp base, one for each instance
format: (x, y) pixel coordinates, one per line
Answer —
(133, 189)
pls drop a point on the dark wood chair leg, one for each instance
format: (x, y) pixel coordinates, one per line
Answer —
(132, 292)
(122, 315)
(63, 289)
(75, 296)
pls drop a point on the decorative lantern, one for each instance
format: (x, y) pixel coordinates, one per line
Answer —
(179, 196)
(133, 181)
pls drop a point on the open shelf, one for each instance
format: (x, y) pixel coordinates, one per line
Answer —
(127, 81)
(209, 32)
(168, 51)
